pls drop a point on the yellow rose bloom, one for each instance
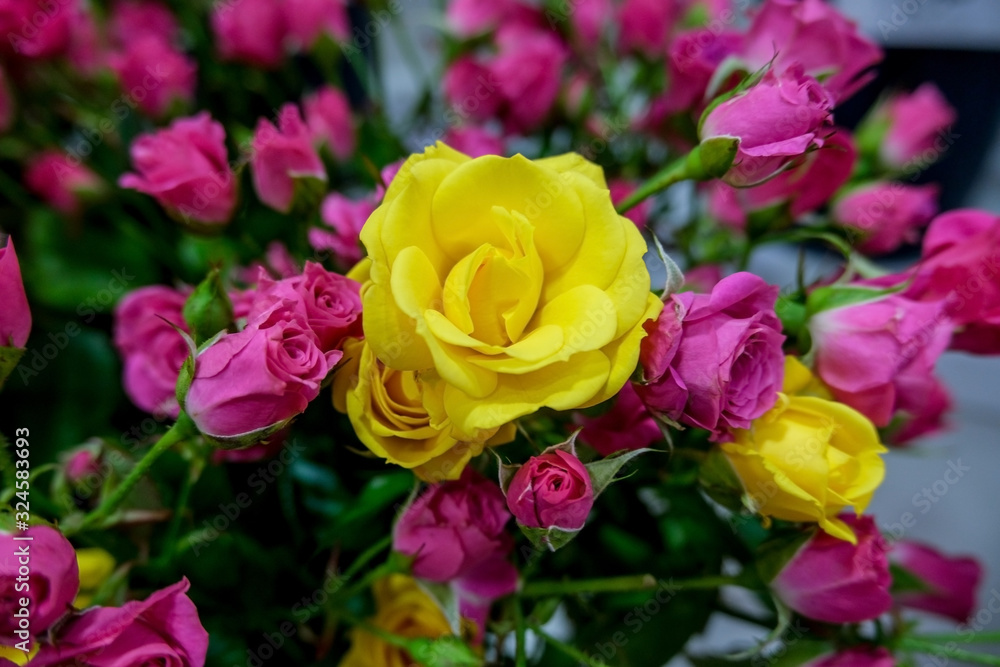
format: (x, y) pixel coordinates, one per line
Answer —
(808, 458)
(95, 566)
(509, 284)
(403, 609)
(396, 417)
(17, 656)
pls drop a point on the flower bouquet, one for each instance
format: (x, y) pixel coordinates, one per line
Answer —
(314, 355)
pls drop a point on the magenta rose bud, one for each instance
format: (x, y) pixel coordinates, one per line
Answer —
(135, 19)
(832, 580)
(249, 384)
(916, 122)
(714, 361)
(153, 351)
(627, 425)
(15, 317)
(887, 215)
(184, 167)
(163, 629)
(951, 581)
(474, 141)
(59, 181)
(645, 25)
(589, 19)
(250, 31)
(468, 18)
(309, 19)
(328, 115)
(31, 28)
(552, 490)
(472, 89)
(454, 527)
(53, 579)
(282, 156)
(166, 76)
(857, 656)
(528, 68)
(343, 219)
(777, 121)
(814, 35)
(876, 355)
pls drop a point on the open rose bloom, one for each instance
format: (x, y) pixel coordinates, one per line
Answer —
(492, 333)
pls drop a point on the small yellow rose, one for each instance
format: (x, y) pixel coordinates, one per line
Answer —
(95, 566)
(509, 284)
(398, 419)
(17, 656)
(403, 609)
(808, 458)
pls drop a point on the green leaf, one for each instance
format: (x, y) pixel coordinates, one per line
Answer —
(784, 622)
(774, 554)
(839, 296)
(445, 598)
(208, 310)
(551, 538)
(602, 472)
(720, 481)
(905, 581)
(444, 652)
(9, 358)
(792, 315)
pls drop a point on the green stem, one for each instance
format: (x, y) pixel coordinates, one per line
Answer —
(367, 555)
(675, 172)
(930, 648)
(972, 638)
(640, 582)
(183, 496)
(567, 650)
(180, 431)
(520, 660)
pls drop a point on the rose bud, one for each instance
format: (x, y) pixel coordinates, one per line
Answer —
(83, 464)
(645, 26)
(309, 19)
(831, 580)
(52, 583)
(153, 351)
(886, 215)
(328, 115)
(15, 316)
(714, 361)
(950, 582)
(247, 385)
(627, 425)
(552, 490)
(777, 121)
(59, 182)
(284, 159)
(151, 59)
(344, 219)
(528, 70)
(251, 32)
(162, 629)
(879, 355)
(472, 89)
(815, 36)
(184, 168)
(135, 19)
(857, 656)
(32, 29)
(454, 527)
(906, 127)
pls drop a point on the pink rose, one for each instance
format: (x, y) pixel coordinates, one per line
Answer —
(552, 490)
(153, 351)
(59, 182)
(776, 121)
(960, 264)
(694, 57)
(254, 381)
(454, 527)
(53, 580)
(528, 67)
(468, 18)
(832, 580)
(857, 656)
(82, 465)
(922, 404)
(886, 214)
(328, 115)
(814, 35)
(15, 316)
(916, 122)
(801, 189)
(472, 89)
(308, 19)
(627, 425)
(135, 19)
(162, 629)
(166, 76)
(702, 278)
(184, 168)
(875, 354)
(8, 110)
(281, 156)
(589, 19)
(31, 37)
(645, 26)
(267, 449)
(951, 582)
(87, 52)
(344, 219)
(620, 189)
(250, 31)
(474, 141)
(714, 361)
(329, 303)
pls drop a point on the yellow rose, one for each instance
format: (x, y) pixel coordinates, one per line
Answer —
(401, 608)
(509, 284)
(17, 656)
(808, 458)
(95, 566)
(396, 417)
